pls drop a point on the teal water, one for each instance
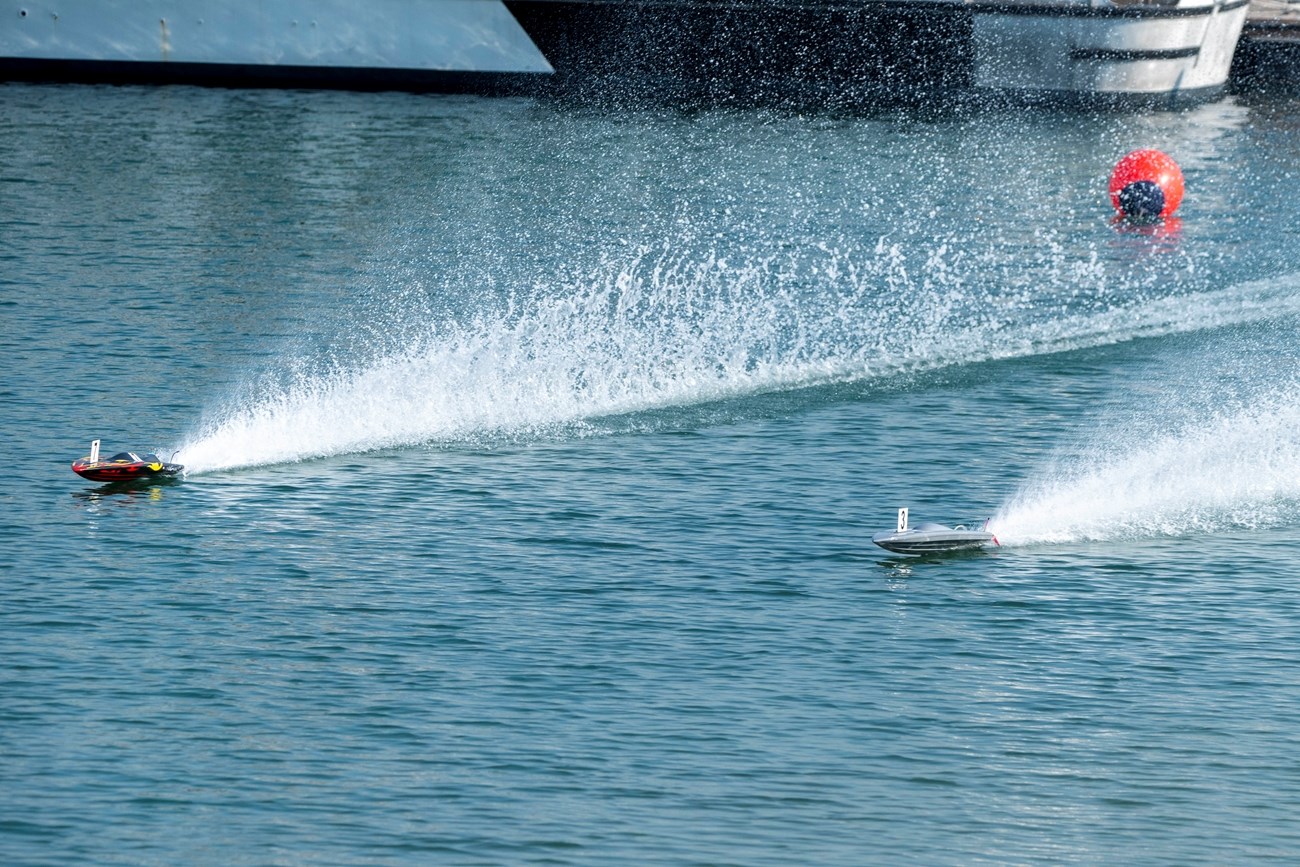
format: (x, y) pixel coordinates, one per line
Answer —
(534, 455)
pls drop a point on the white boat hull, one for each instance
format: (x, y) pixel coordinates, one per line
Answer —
(1072, 48)
(943, 541)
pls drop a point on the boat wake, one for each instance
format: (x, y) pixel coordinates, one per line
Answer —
(1235, 466)
(662, 329)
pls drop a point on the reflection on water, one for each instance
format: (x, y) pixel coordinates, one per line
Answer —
(124, 493)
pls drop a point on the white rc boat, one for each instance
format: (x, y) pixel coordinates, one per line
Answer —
(932, 538)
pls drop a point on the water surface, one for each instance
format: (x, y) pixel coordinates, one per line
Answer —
(534, 455)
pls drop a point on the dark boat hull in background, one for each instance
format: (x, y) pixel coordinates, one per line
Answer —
(845, 52)
(768, 53)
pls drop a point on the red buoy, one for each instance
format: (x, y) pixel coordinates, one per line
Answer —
(1146, 184)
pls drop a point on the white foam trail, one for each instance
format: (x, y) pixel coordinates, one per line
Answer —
(1239, 469)
(662, 331)
(1255, 301)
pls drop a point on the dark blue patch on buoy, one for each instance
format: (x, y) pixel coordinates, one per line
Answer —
(1142, 199)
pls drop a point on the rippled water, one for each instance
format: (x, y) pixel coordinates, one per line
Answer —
(534, 455)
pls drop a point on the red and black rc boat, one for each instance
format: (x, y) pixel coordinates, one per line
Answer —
(123, 467)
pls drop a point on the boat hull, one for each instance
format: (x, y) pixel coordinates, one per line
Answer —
(418, 36)
(120, 471)
(679, 50)
(922, 541)
(1057, 49)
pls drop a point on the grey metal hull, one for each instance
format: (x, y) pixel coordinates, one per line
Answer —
(464, 36)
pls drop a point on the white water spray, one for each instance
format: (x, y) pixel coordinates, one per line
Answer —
(663, 330)
(1232, 469)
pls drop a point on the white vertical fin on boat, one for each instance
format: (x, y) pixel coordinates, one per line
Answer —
(94, 451)
(902, 519)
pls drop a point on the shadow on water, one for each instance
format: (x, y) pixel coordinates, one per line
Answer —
(903, 566)
(151, 489)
